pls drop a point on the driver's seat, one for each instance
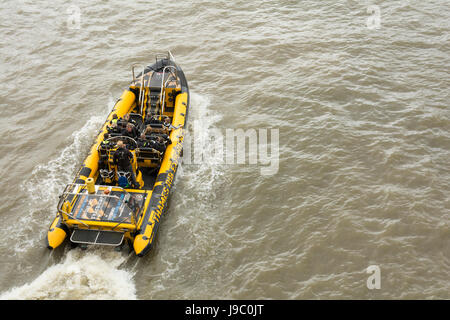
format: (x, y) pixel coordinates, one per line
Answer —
(122, 178)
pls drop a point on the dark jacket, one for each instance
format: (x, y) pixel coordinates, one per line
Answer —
(149, 143)
(106, 144)
(164, 136)
(142, 143)
(123, 158)
(133, 134)
(156, 145)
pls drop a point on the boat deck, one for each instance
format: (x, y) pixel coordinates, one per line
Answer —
(149, 177)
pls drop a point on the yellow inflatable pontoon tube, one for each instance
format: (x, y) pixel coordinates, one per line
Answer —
(90, 165)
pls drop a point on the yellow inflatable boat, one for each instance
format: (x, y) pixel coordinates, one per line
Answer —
(109, 203)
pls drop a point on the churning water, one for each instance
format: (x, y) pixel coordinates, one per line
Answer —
(357, 92)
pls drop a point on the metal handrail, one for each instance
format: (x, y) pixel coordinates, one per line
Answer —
(65, 194)
(118, 138)
(122, 138)
(163, 86)
(85, 188)
(132, 70)
(142, 91)
(73, 217)
(167, 54)
(142, 86)
(170, 56)
(123, 220)
(141, 98)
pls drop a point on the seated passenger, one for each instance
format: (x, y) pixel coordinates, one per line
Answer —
(150, 130)
(105, 144)
(157, 144)
(166, 138)
(103, 155)
(113, 128)
(103, 162)
(152, 119)
(122, 122)
(142, 141)
(127, 120)
(169, 125)
(114, 119)
(130, 131)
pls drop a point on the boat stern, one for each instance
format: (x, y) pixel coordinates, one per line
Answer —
(102, 215)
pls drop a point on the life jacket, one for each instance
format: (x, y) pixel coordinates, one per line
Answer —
(142, 143)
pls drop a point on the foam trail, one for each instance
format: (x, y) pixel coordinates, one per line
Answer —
(48, 180)
(83, 275)
(201, 176)
(190, 226)
(92, 274)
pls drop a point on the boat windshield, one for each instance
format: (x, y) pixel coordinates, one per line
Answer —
(110, 204)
